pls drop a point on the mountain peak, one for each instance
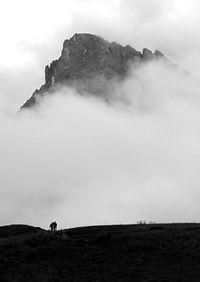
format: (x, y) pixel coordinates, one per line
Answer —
(85, 57)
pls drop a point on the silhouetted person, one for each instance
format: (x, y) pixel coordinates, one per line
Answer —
(53, 226)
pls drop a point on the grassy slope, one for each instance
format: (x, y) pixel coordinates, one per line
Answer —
(156, 252)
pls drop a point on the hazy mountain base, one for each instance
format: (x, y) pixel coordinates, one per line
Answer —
(143, 252)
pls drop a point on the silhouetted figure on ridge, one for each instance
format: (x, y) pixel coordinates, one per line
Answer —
(53, 226)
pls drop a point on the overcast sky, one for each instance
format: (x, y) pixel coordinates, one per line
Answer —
(32, 33)
(80, 161)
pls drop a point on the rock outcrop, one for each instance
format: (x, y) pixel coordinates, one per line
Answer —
(86, 62)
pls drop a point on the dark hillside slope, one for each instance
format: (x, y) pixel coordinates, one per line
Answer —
(151, 252)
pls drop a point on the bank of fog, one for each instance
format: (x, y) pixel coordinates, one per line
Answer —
(79, 160)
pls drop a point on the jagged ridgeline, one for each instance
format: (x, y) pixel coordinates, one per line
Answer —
(88, 62)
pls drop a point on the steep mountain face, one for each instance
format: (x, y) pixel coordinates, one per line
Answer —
(86, 62)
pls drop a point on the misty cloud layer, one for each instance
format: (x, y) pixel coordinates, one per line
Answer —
(79, 160)
(32, 34)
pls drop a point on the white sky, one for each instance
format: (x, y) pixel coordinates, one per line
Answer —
(140, 166)
(171, 25)
(32, 33)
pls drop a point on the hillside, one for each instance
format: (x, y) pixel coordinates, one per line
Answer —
(143, 252)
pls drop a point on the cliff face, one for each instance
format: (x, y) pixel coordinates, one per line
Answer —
(86, 58)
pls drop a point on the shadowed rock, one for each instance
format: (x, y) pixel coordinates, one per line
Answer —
(87, 62)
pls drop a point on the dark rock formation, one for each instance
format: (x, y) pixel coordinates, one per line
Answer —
(85, 60)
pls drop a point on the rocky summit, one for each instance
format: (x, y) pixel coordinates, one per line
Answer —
(87, 62)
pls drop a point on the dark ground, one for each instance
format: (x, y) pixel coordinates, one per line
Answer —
(144, 252)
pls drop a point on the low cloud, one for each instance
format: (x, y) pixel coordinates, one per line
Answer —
(80, 160)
